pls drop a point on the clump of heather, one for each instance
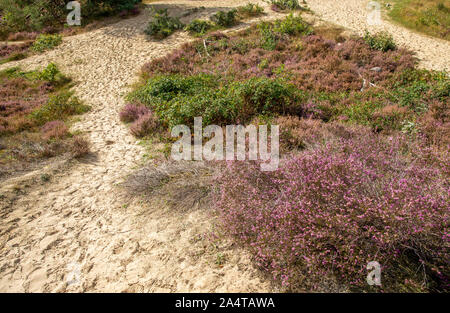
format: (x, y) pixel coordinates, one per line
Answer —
(55, 130)
(23, 36)
(286, 48)
(132, 112)
(13, 52)
(7, 50)
(144, 125)
(14, 106)
(329, 211)
(33, 108)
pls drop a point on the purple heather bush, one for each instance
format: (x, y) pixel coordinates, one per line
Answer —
(32, 114)
(19, 36)
(55, 130)
(353, 188)
(7, 51)
(330, 211)
(14, 106)
(132, 112)
(144, 125)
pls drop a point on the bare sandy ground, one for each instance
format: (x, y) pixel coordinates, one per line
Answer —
(80, 225)
(80, 232)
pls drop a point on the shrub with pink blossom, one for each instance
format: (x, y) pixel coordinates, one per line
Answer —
(328, 212)
(55, 130)
(132, 112)
(144, 125)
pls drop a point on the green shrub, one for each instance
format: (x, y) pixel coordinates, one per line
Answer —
(286, 4)
(414, 89)
(163, 25)
(293, 25)
(268, 37)
(382, 41)
(59, 107)
(46, 42)
(50, 73)
(225, 19)
(250, 10)
(178, 99)
(261, 95)
(32, 16)
(25, 15)
(198, 27)
(270, 34)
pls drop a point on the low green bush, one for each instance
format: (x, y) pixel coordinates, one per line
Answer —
(286, 4)
(225, 19)
(382, 41)
(250, 10)
(163, 25)
(198, 27)
(293, 25)
(34, 16)
(46, 42)
(178, 99)
(59, 107)
(268, 37)
(51, 73)
(271, 33)
(415, 89)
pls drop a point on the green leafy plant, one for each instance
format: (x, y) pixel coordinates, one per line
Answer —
(198, 27)
(178, 99)
(46, 42)
(269, 38)
(51, 73)
(163, 25)
(286, 4)
(225, 19)
(382, 41)
(293, 25)
(59, 106)
(250, 10)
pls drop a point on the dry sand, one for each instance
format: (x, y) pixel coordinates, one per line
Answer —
(81, 225)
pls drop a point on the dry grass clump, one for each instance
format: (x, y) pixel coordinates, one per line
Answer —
(80, 147)
(176, 185)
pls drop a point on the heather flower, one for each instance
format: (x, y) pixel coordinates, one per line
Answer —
(132, 112)
(329, 211)
(144, 125)
(55, 130)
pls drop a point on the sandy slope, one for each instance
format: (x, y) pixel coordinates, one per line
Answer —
(82, 221)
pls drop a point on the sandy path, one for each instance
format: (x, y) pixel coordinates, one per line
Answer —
(81, 222)
(433, 53)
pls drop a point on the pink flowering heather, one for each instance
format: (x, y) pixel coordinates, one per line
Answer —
(328, 212)
(144, 125)
(55, 130)
(132, 112)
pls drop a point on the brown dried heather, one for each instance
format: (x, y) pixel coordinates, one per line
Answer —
(80, 147)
